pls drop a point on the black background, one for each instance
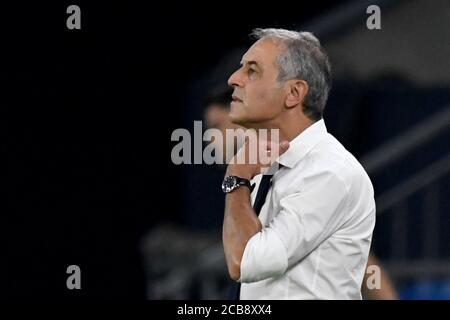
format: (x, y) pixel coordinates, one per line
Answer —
(85, 123)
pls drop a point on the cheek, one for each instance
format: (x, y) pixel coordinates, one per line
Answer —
(266, 101)
(261, 95)
(256, 100)
(275, 96)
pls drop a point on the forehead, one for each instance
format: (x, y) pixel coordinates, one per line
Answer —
(264, 52)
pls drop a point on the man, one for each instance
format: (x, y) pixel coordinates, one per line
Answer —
(216, 117)
(309, 232)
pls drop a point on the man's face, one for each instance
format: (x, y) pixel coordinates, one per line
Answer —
(257, 98)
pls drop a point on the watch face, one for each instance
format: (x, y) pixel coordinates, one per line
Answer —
(229, 183)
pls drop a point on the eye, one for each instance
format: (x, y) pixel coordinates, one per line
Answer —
(251, 71)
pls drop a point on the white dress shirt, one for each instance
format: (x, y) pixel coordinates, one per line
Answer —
(317, 223)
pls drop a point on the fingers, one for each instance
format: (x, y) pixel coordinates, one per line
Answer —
(261, 151)
(270, 151)
(282, 147)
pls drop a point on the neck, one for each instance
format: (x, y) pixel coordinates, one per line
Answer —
(290, 132)
(289, 127)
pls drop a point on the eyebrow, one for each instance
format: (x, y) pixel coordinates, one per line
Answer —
(251, 62)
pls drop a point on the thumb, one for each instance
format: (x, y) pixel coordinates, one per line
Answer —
(284, 145)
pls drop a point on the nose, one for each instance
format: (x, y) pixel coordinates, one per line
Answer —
(235, 79)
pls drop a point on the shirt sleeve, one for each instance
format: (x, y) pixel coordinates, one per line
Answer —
(306, 218)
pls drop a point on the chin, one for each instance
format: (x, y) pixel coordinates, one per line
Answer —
(238, 120)
(234, 118)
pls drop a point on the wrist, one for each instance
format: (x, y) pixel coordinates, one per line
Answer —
(231, 183)
(233, 170)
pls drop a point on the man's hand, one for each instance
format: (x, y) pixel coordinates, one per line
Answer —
(240, 220)
(255, 156)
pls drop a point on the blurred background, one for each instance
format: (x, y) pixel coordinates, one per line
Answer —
(86, 123)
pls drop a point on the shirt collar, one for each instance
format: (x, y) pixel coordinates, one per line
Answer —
(301, 144)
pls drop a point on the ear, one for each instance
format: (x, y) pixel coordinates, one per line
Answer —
(296, 92)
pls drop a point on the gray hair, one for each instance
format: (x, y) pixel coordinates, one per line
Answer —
(302, 58)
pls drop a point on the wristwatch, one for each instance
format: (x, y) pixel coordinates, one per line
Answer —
(231, 183)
